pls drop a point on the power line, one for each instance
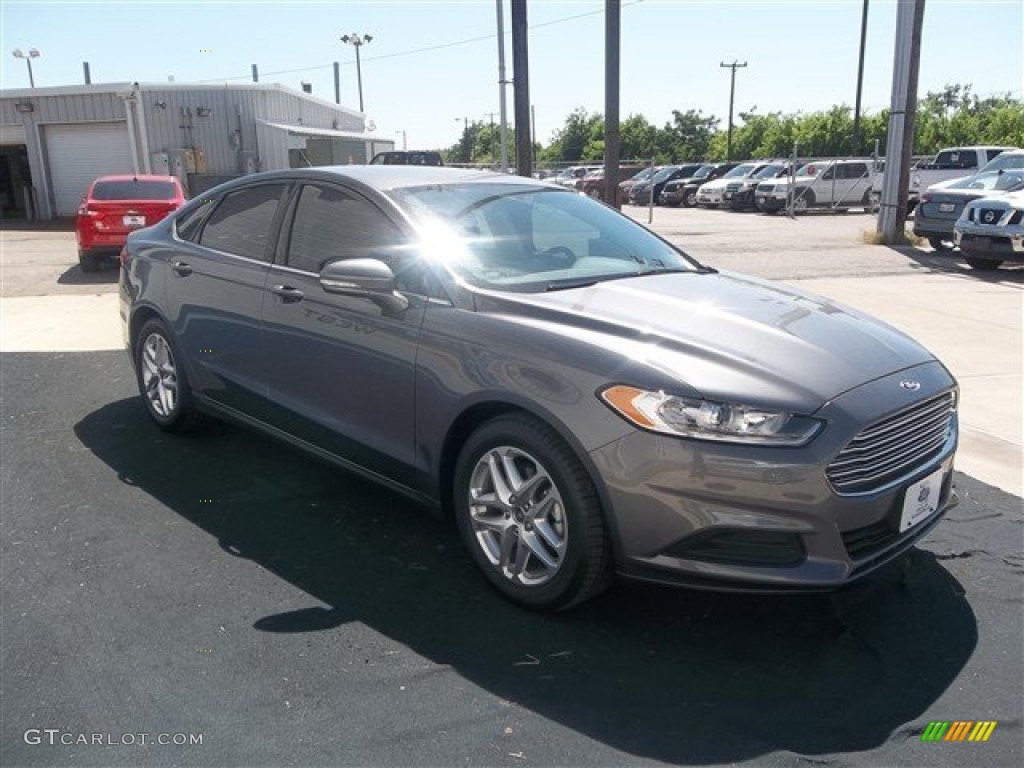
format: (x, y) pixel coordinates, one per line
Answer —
(415, 51)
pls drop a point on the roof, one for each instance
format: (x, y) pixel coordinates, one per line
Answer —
(307, 130)
(385, 177)
(124, 90)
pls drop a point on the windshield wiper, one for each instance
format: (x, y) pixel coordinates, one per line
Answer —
(586, 282)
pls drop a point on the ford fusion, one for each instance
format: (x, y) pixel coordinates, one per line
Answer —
(581, 396)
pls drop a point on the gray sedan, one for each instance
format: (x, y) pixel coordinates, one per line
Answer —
(580, 395)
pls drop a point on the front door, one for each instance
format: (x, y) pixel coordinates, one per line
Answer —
(343, 370)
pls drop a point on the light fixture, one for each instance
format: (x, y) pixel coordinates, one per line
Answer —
(24, 106)
(33, 53)
(203, 111)
(161, 104)
(358, 41)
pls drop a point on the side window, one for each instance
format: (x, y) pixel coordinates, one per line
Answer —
(992, 154)
(187, 226)
(829, 173)
(242, 222)
(855, 171)
(332, 224)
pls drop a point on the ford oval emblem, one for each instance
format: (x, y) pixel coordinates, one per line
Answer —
(913, 386)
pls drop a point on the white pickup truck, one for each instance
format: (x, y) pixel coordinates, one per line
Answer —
(949, 165)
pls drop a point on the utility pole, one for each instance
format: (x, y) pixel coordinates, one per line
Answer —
(521, 78)
(892, 214)
(502, 83)
(860, 78)
(732, 94)
(612, 11)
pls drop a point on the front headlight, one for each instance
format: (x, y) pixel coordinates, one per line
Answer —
(707, 419)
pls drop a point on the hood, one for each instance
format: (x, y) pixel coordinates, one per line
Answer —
(720, 183)
(726, 336)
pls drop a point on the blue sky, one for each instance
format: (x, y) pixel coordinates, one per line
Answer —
(802, 56)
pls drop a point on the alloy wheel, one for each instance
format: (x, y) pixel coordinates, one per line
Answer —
(159, 375)
(518, 516)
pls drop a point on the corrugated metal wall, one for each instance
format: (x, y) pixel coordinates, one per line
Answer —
(213, 134)
(171, 120)
(81, 105)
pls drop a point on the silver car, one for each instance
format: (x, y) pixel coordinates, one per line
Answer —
(991, 231)
(584, 398)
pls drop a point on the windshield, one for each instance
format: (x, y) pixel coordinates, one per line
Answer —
(1004, 161)
(665, 172)
(1004, 181)
(704, 171)
(740, 170)
(808, 170)
(769, 172)
(524, 238)
(136, 189)
(643, 175)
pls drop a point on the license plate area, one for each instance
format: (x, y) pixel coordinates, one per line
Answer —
(921, 500)
(133, 221)
(946, 207)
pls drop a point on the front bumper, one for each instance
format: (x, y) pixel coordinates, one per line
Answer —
(748, 518)
(1006, 243)
(709, 197)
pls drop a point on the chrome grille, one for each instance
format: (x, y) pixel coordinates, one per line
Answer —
(893, 447)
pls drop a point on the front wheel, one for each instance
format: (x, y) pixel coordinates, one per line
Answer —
(690, 199)
(986, 265)
(529, 515)
(940, 243)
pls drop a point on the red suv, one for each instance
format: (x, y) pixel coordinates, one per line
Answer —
(115, 206)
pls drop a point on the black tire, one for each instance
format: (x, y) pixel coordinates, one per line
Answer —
(690, 199)
(181, 415)
(802, 201)
(584, 564)
(769, 211)
(985, 265)
(940, 243)
(88, 261)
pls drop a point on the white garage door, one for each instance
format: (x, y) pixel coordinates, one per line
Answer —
(80, 153)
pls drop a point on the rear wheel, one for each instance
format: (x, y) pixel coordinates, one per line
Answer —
(162, 382)
(88, 261)
(940, 243)
(529, 515)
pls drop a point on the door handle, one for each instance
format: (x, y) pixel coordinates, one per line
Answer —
(181, 268)
(288, 294)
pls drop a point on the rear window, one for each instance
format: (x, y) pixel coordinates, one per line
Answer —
(134, 189)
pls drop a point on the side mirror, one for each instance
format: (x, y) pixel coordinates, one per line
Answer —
(366, 278)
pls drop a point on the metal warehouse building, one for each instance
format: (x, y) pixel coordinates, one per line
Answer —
(54, 141)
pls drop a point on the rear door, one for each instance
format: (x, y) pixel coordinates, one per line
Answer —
(215, 293)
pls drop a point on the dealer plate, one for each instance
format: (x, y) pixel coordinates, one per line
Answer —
(134, 221)
(946, 207)
(921, 500)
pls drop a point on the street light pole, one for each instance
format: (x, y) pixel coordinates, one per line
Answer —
(358, 41)
(732, 94)
(860, 78)
(32, 54)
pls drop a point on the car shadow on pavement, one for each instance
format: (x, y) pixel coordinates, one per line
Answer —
(659, 673)
(107, 275)
(952, 263)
